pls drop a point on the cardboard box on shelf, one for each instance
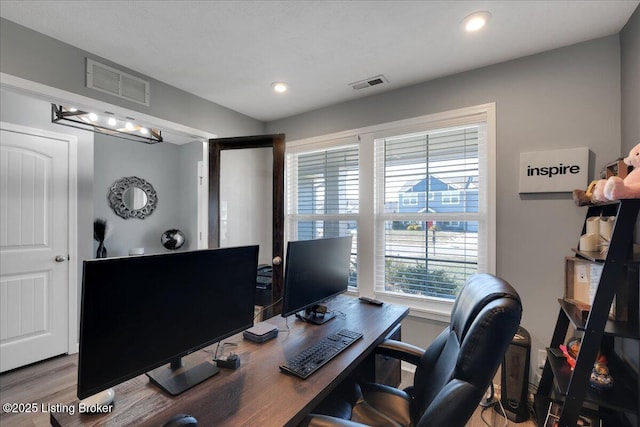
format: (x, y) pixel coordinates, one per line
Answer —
(581, 283)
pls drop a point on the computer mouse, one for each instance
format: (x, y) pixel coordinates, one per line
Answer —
(181, 420)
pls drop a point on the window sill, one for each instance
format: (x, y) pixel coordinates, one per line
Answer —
(430, 309)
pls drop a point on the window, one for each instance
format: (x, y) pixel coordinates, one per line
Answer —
(417, 195)
(409, 199)
(450, 197)
(435, 254)
(323, 196)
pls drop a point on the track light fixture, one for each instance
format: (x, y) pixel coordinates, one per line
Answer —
(107, 124)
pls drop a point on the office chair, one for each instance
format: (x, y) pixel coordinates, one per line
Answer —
(451, 376)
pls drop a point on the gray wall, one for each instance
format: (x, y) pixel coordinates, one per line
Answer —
(165, 167)
(630, 71)
(564, 98)
(42, 59)
(630, 94)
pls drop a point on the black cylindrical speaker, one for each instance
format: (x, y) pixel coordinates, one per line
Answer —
(515, 377)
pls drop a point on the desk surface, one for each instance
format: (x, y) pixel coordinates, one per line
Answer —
(258, 393)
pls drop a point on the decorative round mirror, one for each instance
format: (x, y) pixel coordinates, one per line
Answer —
(132, 197)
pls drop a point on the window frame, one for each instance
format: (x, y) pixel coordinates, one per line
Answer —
(370, 222)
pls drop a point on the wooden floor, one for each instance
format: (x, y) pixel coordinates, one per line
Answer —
(49, 382)
(54, 382)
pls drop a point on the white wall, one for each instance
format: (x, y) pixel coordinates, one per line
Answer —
(564, 98)
(246, 200)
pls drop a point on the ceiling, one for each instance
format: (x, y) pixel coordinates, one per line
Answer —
(229, 52)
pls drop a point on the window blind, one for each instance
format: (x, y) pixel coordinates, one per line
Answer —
(323, 195)
(431, 190)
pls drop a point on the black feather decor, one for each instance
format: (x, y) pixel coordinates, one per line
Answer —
(99, 229)
(100, 232)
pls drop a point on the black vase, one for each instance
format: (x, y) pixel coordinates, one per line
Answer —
(102, 251)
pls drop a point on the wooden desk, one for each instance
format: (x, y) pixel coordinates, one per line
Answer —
(256, 394)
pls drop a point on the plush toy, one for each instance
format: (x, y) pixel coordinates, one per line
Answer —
(614, 188)
(582, 197)
(628, 188)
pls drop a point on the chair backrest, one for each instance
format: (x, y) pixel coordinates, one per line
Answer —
(459, 365)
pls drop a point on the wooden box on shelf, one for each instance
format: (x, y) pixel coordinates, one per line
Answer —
(616, 168)
(581, 282)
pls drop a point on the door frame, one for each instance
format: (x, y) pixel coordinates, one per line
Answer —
(276, 142)
(72, 224)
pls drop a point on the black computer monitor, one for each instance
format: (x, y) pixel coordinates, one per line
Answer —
(314, 271)
(139, 313)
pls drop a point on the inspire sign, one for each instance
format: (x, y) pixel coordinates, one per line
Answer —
(554, 171)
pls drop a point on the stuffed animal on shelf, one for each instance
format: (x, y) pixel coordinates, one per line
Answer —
(616, 188)
(613, 188)
(582, 197)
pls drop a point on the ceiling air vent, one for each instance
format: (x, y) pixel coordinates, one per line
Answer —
(117, 83)
(371, 81)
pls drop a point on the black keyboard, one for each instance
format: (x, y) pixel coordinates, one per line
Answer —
(316, 356)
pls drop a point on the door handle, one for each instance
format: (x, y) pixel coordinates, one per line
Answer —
(61, 258)
(277, 260)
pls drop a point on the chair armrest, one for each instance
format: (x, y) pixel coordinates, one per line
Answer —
(400, 350)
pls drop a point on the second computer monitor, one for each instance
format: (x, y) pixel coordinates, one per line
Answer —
(314, 271)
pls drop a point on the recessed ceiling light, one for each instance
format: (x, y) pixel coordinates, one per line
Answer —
(476, 21)
(279, 87)
(112, 121)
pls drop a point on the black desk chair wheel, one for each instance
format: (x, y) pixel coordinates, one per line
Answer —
(451, 376)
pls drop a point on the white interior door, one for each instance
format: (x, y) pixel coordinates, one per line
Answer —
(34, 247)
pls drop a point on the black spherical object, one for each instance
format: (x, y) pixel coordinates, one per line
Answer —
(172, 239)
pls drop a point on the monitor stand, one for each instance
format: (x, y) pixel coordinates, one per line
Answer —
(176, 378)
(317, 315)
